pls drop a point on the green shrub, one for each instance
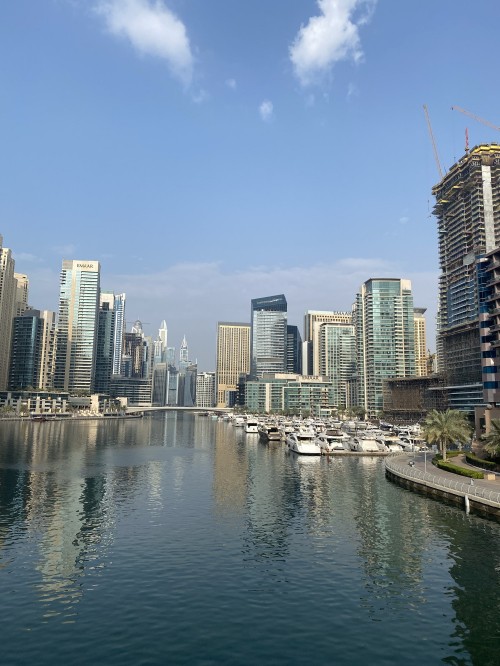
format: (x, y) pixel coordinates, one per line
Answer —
(450, 467)
(479, 462)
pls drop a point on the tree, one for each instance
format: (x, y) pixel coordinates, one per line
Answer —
(444, 428)
(492, 440)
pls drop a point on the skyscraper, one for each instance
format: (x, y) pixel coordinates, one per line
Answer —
(468, 215)
(21, 293)
(105, 342)
(25, 359)
(313, 320)
(8, 286)
(119, 308)
(421, 360)
(337, 358)
(268, 335)
(77, 327)
(233, 360)
(293, 350)
(385, 339)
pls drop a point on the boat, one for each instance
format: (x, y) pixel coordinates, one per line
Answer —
(270, 433)
(252, 426)
(239, 422)
(303, 442)
(364, 445)
(332, 441)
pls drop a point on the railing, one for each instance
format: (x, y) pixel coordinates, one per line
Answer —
(408, 472)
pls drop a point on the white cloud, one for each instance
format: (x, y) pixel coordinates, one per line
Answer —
(66, 251)
(266, 111)
(231, 83)
(329, 38)
(153, 30)
(27, 257)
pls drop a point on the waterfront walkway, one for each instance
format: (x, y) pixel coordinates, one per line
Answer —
(417, 472)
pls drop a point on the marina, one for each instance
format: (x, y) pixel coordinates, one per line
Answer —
(178, 538)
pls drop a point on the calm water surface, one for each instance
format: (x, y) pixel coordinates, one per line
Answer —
(177, 539)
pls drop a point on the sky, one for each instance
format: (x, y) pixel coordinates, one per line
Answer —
(208, 152)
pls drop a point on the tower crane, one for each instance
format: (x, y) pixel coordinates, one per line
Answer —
(474, 117)
(436, 156)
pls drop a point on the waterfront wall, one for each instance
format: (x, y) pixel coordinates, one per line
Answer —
(476, 498)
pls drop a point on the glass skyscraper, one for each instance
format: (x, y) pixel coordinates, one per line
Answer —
(268, 336)
(385, 338)
(77, 327)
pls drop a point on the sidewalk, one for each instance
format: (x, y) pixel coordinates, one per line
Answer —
(459, 461)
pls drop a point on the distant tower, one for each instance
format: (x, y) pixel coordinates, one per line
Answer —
(105, 342)
(421, 355)
(233, 360)
(8, 286)
(268, 335)
(119, 333)
(21, 293)
(183, 355)
(383, 316)
(77, 327)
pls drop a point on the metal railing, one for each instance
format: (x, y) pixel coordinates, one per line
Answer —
(408, 472)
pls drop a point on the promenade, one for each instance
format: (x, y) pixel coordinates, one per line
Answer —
(416, 472)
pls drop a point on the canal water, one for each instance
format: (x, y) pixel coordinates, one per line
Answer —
(177, 539)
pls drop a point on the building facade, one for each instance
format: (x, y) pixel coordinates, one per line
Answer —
(385, 338)
(26, 352)
(337, 358)
(268, 336)
(233, 360)
(313, 320)
(468, 216)
(77, 326)
(120, 325)
(105, 342)
(421, 355)
(8, 287)
(205, 389)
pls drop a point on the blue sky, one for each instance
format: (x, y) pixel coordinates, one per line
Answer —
(212, 151)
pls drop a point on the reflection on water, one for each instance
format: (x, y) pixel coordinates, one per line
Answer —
(128, 532)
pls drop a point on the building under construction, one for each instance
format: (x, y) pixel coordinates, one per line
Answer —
(468, 213)
(409, 399)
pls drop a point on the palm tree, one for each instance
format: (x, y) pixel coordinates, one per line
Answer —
(492, 440)
(444, 428)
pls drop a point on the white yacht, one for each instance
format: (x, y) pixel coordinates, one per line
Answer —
(304, 442)
(252, 426)
(332, 441)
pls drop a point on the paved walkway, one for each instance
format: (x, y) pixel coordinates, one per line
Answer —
(419, 468)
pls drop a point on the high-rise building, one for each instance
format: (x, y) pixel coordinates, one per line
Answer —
(119, 308)
(8, 286)
(421, 355)
(48, 354)
(337, 358)
(105, 342)
(183, 355)
(233, 360)
(293, 350)
(21, 293)
(25, 358)
(313, 320)
(468, 215)
(385, 339)
(268, 335)
(77, 325)
(205, 389)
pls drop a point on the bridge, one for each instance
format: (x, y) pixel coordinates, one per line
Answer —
(169, 408)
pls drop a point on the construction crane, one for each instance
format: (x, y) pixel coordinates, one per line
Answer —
(436, 156)
(474, 117)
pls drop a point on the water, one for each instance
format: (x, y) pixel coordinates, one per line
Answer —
(177, 539)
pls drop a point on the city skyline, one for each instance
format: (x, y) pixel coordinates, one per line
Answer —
(277, 172)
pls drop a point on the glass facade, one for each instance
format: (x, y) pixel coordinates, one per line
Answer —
(337, 358)
(77, 326)
(268, 335)
(26, 351)
(385, 337)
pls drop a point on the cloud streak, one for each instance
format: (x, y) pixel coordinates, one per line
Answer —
(329, 38)
(153, 30)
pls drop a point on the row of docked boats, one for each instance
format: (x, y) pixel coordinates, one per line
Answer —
(332, 437)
